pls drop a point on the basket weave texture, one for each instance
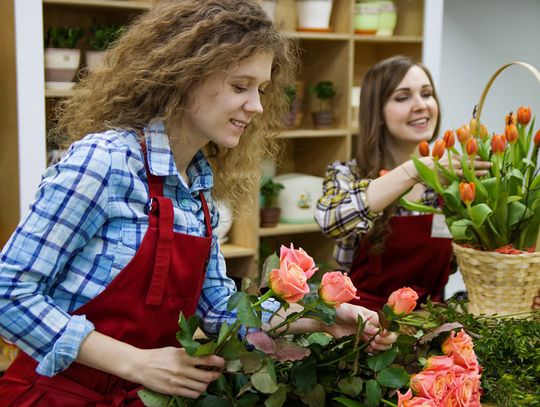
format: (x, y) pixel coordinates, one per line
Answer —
(498, 283)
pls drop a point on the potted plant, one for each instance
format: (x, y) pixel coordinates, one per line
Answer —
(314, 15)
(494, 220)
(295, 96)
(61, 58)
(102, 38)
(322, 115)
(269, 210)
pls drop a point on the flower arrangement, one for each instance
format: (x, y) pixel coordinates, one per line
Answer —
(501, 210)
(275, 368)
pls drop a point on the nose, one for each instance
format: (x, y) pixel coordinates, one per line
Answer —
(253, 103)
(419, 102)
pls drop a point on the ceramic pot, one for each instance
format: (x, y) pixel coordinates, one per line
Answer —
(314, 15)
(298, 198)
(293, 118)
(269, 217)
(94, 59)
(323, 119)
(366, 17)
(387, 18)
(61, 64)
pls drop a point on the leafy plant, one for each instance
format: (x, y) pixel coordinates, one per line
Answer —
(270, 191)
(290, 93)
(63, 37)
(324, 91)
(104, 35)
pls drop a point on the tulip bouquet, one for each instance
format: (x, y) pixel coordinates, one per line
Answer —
(275, 368)
(501, 210)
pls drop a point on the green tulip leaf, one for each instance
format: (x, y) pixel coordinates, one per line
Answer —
(393, 377)
(460, 230)
(374, 393)
(491, 187)
(418, 207)
(428, 175)
(517, 212)
(452, 198)
(479, 214)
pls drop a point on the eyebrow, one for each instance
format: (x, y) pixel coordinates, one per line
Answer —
(250, 77)
(408, 89)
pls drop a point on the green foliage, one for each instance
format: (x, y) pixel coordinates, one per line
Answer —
(270, 191)
(508, 349)
(324, 90)
(63, 37)
(290, 92)
(104, 35)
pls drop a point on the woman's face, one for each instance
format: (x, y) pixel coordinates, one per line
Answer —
(411, 111)
(222, 106)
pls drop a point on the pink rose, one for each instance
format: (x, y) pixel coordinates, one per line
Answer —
(464, 390)
(430, 384)
(298, 257)
(289, 282)
(336, 288)
(443, 364)
(461, 347)
(403, 301)
(420, 402)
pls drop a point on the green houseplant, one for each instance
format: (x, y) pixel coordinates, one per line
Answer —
(324, 91)
(61, 58)
(269, 212)
(103, 36)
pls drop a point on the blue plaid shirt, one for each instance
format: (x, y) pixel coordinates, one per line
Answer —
(85, 225)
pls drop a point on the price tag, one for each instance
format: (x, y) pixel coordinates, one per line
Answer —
(439, 227)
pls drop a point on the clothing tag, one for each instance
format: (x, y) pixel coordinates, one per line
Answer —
(439, 228)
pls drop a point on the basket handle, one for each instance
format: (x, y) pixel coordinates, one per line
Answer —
(529, 67)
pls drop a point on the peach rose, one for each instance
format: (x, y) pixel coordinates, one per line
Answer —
(463, 390)
(336, 288)
(289, 282)
(460, 345)
(403, 301)
(442, 364)
(407, 400)
(431, 384)
(299, 257)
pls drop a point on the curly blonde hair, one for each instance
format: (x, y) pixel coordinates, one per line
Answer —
(163, 55)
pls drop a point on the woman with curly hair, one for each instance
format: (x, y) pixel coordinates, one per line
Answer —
(383, 245)
(119, 239)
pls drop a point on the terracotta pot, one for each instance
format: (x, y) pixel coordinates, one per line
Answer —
(269, 217)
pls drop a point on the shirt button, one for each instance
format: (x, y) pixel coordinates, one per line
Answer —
(185, 203)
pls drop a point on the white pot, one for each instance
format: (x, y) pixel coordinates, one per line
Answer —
(314, 14)
(225, 220)
(61, 64)
(299, 196)
(94, 59)
(269, 7)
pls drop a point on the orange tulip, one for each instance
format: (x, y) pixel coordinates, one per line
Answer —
(511, 133)
(467, 191)
(523, 115)
(498, 144)
(438, 149)
(537, 138)
(473, 125)
(483, 132)
(463, 134)
(510, 119)
(449, 138)
(423, 148)
(471, 147)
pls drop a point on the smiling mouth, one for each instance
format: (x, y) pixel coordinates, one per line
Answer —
(239, 123)
(419, 122)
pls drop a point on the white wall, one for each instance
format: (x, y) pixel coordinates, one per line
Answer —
(478, 37)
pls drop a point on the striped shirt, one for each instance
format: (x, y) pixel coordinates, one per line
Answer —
(86, 223)
(343, 212)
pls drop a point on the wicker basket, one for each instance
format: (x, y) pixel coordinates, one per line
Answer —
(500, 283)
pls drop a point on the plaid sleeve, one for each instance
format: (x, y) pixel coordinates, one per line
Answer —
(71, 205)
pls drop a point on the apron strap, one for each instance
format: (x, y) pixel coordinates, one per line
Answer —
(206, 215)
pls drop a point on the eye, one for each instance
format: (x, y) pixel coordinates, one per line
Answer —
(239, 89)
(401, 98)
(427, 95)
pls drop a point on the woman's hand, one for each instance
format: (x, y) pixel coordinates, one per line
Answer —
(172, 371)
(346, 323)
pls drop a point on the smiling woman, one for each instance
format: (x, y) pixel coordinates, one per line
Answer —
(383, 245)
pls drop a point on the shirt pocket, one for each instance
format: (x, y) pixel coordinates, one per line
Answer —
(131, 236)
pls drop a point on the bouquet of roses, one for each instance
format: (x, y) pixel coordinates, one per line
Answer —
(275, 368)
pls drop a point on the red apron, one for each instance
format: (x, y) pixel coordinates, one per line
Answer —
(140, 307)
(411, 258)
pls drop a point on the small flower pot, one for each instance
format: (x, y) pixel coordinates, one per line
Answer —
(366, 17)
(314, 15)
(94, 59)
(323, 119)
(269, 217)
(61, 64)
(387, 18)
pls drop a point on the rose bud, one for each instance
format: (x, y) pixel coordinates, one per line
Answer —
(289, 282)
(471, 147)
(537, 138)
(299, 257)
(498, 144)
(423, 148)
(449, 138)
(463, 134)
(336, 288)
(403, 301)
(438, 149)
(483, 132)
(467, 191)
(511, 133)
(523, 116)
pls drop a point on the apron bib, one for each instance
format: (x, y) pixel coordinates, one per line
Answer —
(140, 307)
(411, 257)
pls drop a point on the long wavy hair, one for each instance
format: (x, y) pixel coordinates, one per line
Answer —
(163, 55)
(372, 155)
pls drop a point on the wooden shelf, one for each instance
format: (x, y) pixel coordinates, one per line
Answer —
(231, 251)
(127, 4)
(412, 39)
(287, 228)
(54, 93)
(319, 36)
(308, 133)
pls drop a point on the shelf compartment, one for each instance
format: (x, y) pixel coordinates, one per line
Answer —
(287, 229)
(127, 4)
(319, 36)
(414, 39)
(313, 133)
(56, 93)
(232, 251)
